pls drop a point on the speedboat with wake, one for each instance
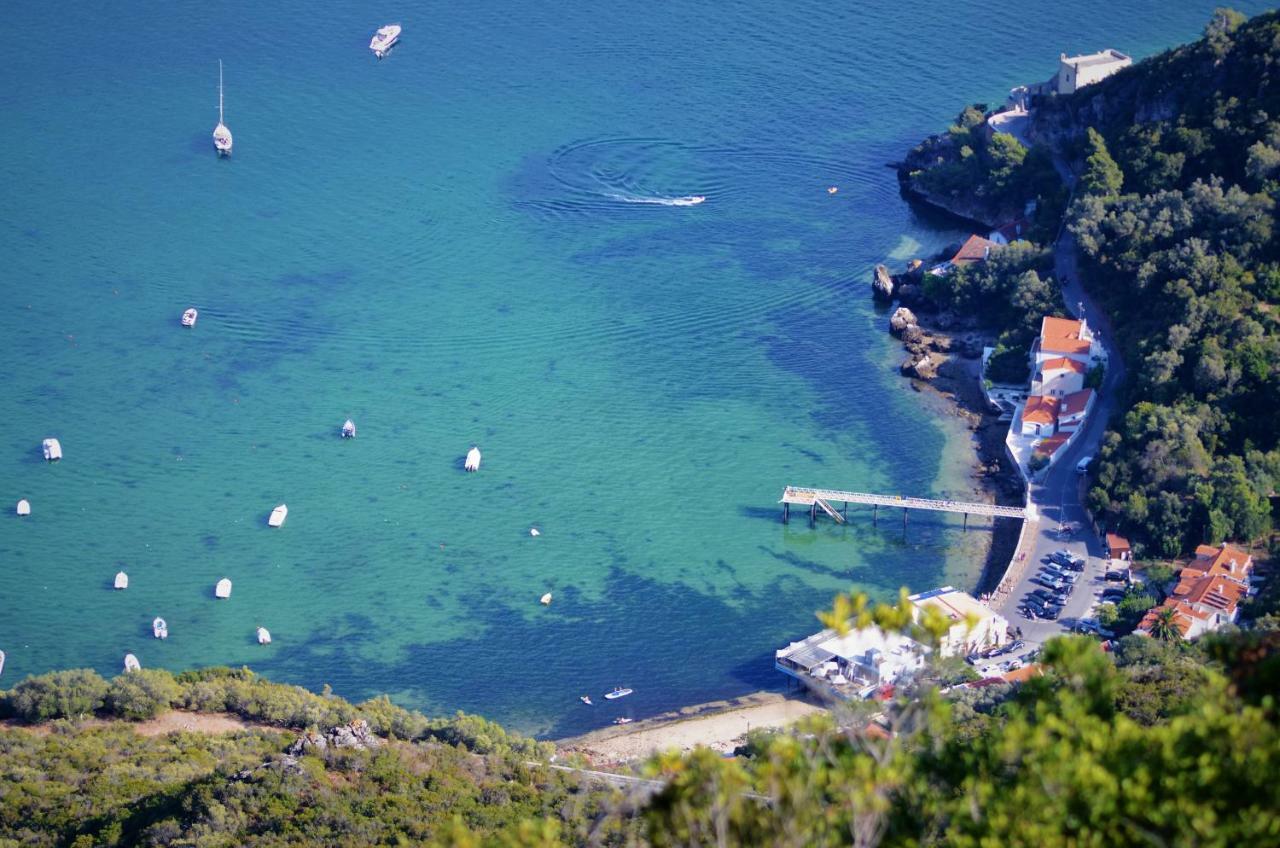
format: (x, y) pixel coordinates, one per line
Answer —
(691, 200)
(384, 39)
(618, 692)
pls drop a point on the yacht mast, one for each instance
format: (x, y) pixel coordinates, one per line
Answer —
(219, 91)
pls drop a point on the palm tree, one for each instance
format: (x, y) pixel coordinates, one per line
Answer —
(1165, 626)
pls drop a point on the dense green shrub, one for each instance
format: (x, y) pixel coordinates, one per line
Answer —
(59, 694)
(143, 694)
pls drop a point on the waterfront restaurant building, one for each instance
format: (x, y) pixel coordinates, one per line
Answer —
(986, 631)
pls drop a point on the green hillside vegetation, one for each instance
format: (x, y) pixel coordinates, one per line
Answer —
(1174, 215)
(1154, 743)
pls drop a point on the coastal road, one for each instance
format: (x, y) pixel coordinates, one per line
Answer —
(1059, 497)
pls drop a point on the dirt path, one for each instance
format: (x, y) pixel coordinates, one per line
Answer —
(170, 722)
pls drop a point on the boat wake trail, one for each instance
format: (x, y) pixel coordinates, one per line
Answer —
(687, 200)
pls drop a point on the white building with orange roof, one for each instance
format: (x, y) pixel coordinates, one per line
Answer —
(1073, 409)
(1059, 377)
(1208, 593)
(1068, 338)
(1040, 416)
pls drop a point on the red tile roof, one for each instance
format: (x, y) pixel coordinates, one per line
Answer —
(1050, 445)
(1062, 335)
(974, 249)
(1227, 561)
(1061, 363)
(1075, 403)
(1117, 544)
(1040, 409)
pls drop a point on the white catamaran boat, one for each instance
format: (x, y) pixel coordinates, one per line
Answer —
(223, 589)
(617, 693)
(122, 580)
(131, 663)
(52, 450)
(384, 39)
(278, 515)
(160, 628)
(348, 429)
(221, 135)
(189, 317)
(264, 636)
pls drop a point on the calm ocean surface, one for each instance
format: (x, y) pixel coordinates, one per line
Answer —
(446, 246)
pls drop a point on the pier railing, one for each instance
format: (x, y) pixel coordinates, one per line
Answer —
(823, 499)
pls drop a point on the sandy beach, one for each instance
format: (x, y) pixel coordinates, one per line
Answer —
(721, 726)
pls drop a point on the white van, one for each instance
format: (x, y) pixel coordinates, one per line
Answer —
(1083, 465)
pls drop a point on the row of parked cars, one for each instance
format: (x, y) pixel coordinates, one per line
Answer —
(1057, 579)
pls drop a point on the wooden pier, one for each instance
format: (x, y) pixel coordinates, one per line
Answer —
(822, 499)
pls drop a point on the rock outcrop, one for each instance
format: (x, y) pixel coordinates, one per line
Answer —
(882, 284)
(920, 366)
(355, 735)
(901, 319)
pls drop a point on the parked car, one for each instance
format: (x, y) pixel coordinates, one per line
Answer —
(1114, 576)
(1051, 613)
(1048, 582)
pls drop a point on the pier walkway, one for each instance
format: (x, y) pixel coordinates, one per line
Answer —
(823, 499)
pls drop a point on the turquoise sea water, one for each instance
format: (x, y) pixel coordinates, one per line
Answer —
(446, 246)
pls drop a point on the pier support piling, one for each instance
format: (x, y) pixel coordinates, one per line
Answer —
(786, 513)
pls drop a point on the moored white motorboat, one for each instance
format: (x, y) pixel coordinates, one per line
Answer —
(264, 636)
(221, 135)
(618, 692)
(189, 317)
(1, 662)
(384, 39)
(52, 449)
(160, 628)
(278, 515)
(545, 600)
(122, 580)
(223, 588)
(24, 507)
(348, 429)
(472, 462)
(586, 699)
(131, 663)
(534, 531)
(623, 720)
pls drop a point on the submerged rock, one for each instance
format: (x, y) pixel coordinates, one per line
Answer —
(882, 283)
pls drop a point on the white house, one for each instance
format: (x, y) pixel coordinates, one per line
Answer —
(1074, 408)
(854, 665)
(974, 625)
(1058, 377)
(1075, 72)
(1040, 416)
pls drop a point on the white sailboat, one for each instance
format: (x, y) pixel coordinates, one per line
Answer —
(122, 580)
(131, 663)
(160, 628)
(278, 515)
(221, 135)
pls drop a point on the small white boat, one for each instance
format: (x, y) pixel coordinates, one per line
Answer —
(472, 462)
(278, 515)
(122, 580)
(623, 720)
(189, 317)
(52, 450)
(264, 636)
(131, 663)
(545, 600)
(1, 662)
(384, 39)
(24, 507)
(691, 200)
(223, 589)
(534, 531)
(586, 699)
(160, 628)
(221, 135)
(348, 429)
(617, 693)
(832, 189)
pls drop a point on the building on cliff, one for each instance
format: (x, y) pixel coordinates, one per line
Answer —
(1074, 73)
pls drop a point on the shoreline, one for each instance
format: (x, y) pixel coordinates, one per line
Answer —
(954, 391)
(718, 725)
